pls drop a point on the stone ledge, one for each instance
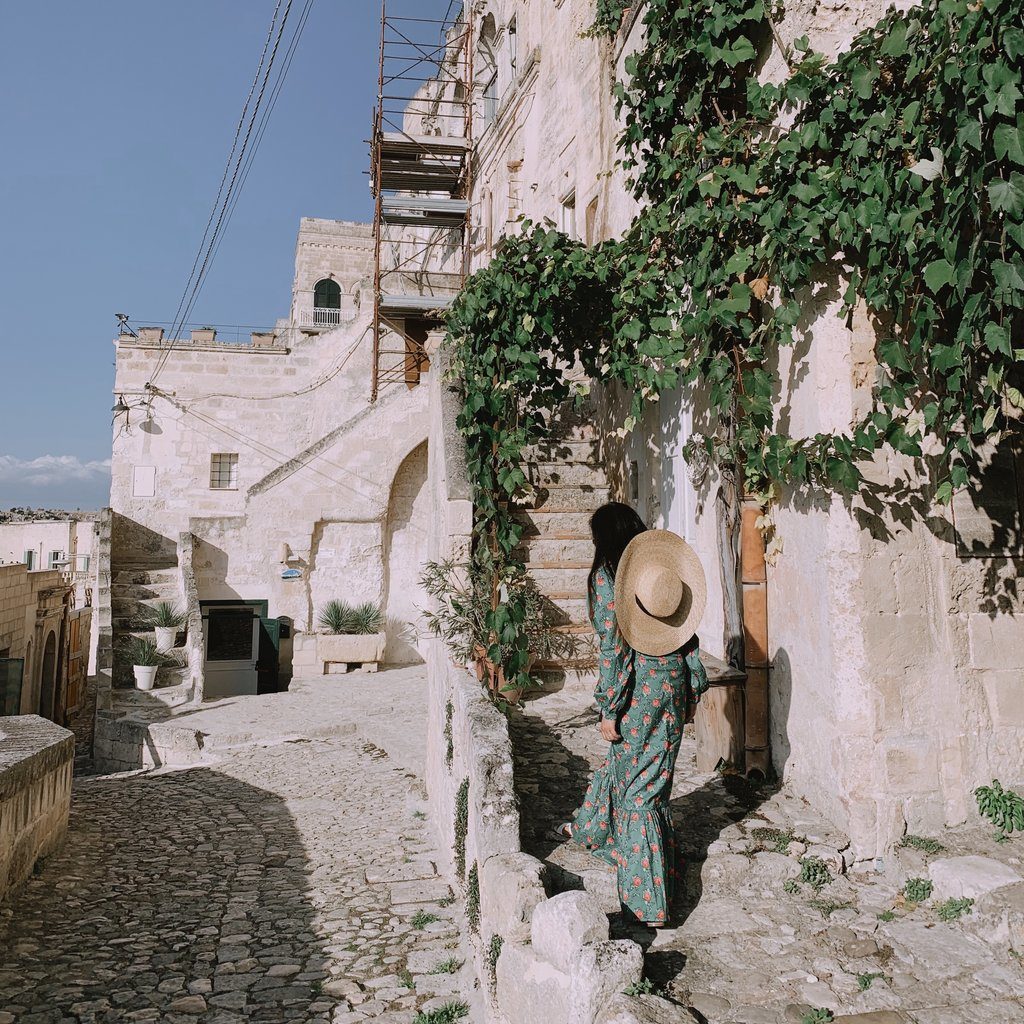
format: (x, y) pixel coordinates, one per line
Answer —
(30, 748)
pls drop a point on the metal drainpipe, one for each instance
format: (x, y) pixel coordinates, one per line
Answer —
(754, 580)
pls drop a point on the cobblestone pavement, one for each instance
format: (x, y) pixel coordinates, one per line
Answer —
(292, 882)
(753, 944)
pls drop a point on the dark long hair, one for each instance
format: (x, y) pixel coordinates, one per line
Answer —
(612, 526)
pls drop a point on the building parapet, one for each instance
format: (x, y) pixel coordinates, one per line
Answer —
(36, 759)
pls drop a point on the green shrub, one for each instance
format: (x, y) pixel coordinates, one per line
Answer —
(421, 919)
(1003, 807)
(814, 872)
(953, 909)
(341, 618)
(917, 890)
(164, 614)
(473, 898)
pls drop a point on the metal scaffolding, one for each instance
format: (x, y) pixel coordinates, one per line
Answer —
(420, 178)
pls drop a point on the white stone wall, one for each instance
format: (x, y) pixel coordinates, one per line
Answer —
(316, 462)
(898, 667)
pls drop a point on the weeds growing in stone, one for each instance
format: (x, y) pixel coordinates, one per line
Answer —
(886, 915)
(821, 1015)
(828, 907)
(791, 886)
(953, 909)
(643, 987)
(867, 979)
(449, 753)
(447, 1014)
(421, 919)
(776, 839)
(461, 827)
(473, 898)
(1003, 807)
(493, 952)
(814, 872)
(405, 977)
(448, 966)
(917, 890)
(922, 843)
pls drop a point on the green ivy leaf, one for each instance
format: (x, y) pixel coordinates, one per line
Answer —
(1008, 195)
(1008, 140)
(938, 274)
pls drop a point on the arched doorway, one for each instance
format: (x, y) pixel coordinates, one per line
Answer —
(406, 551)
(48, 676)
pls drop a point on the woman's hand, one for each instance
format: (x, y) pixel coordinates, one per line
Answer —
(609, 730)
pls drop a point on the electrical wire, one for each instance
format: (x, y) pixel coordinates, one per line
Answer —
(228, 195)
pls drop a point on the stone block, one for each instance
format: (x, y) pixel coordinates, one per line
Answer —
(996, 642)
(529, 989)
(998, 918)
(510, 887)
(565, 923)
(623, 1009)
(911, 765)
(969, 877)
(1005, 693)
(601, 971)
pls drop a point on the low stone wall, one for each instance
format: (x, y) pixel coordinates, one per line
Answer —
(126, 744)
(540, 960)
(36, 759)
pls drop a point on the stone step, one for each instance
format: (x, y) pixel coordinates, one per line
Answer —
(563, 450)
(567, 608)
(144, 577)
(557, 549)
(583, 474)
(547, 522)
(560, 578)
(579, 678)
(568, 498)
(172, 696)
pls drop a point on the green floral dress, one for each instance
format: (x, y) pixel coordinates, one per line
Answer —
(625, 817)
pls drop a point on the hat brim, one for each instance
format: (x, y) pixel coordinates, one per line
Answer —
(642, 631)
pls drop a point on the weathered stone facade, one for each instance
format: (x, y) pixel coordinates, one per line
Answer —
(319, 491)
(897, 665)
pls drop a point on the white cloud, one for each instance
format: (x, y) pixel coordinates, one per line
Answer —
(48, 470)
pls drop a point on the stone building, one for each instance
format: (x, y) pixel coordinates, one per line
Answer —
(268, 454)
(48, 539)
(894, 643)
(44, 646)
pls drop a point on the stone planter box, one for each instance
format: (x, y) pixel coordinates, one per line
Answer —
(204, 335)
(263, 339)
(338, 651)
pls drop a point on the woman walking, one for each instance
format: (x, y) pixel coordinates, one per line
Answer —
(646, 595)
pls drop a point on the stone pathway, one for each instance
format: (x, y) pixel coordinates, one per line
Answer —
(751, 942)
(289, 881)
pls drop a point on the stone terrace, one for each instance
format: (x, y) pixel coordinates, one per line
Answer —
(751, 947)
(279, 881)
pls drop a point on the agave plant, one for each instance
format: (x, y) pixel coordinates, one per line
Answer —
(139, 651)
(341, 617)
(165, 614)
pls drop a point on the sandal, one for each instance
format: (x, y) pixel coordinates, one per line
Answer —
(561, 833)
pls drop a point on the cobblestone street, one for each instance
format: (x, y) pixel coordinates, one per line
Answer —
(754, 943)
(282, 882)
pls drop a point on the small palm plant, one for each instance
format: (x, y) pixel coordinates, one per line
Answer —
(142, 652)
(339, 617)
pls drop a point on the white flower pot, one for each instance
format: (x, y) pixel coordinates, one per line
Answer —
(145, 676)
(165, 638)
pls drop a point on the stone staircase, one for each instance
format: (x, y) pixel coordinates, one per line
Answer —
(133, 587)
(570, 484)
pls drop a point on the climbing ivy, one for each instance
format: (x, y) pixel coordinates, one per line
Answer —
(888, 183)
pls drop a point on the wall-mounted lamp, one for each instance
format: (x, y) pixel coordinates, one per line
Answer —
(284, 553)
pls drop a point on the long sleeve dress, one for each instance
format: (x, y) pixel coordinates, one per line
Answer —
(625, 817)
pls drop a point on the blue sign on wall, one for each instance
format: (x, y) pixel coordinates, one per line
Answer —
(291, 574)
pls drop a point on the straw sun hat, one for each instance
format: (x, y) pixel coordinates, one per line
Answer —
(660, 592)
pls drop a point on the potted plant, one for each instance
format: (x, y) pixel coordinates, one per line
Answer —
(145, 660)
(464, 620)
(166, 619)
(350, 635)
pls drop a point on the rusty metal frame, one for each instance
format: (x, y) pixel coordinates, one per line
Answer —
(395, 37)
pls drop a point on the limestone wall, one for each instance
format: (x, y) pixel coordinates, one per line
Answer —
(36, 760)
(316, 462)
(897, 680)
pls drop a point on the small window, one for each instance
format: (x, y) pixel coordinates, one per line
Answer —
(224, 471)
(491, 99)
(82, 563)
(56, 557)
(567, 215)
(327, 294)
(30, 560)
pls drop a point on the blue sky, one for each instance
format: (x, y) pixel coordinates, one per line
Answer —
(116, 120)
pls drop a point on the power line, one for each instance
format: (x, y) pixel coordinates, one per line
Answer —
(198, 279)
